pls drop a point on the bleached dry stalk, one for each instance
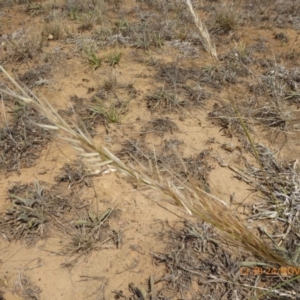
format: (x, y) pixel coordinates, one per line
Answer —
(207, 43)
(194, 200)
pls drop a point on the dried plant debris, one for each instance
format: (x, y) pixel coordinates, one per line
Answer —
(195, 168)
(198, 265)
(179, 79)
(225, 116)
(279, 83)
(90, 231)
(279, 182)
(198, 168)
(26, 289)
(20, 46)
(275, 113)
(21, 142)
(182, 82)
(165, 100)
(281, 179)
(36, 77)
(29, 214)
(75, 174)
(137, 151)
(160, 126)
(140, 293)
(168, 157)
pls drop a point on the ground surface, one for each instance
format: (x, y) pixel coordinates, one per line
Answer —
(135, 75)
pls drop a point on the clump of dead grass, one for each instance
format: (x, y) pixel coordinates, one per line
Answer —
(25, 288)
(54, 29)
(195, 254)
(274, 110)
(88, 233)
(163, 99)
(21, 47)
(27, 217)
(226, 19)
(21, 142)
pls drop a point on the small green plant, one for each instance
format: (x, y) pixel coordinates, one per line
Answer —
(112, 114)
(114, 58)
(93, 59)
(158, 40)
(121, 26)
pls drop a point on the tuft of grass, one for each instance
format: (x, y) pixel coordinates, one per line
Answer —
(225, 20)
(164, 99)
(114, 58)
(158, 40)
(122, 26)
(110, 83)
(27, 216)
(111, 113)
(88, 233)
(275, 114)
(22, 48)
(54, 29)
(93, 59)
(93, 10)
(179, 192)
(87, 23)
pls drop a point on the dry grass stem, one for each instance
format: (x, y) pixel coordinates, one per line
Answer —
(207, 43)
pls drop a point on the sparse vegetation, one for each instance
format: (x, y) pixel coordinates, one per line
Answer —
(112, 114)
(88, 234)
(205, 118)
(226, 19)
(53, 30)
(114, 58)
(93, 59)
(21, 47)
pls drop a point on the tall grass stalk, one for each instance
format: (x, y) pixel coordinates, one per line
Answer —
(255, 153)
(205, 37)
(192, 199)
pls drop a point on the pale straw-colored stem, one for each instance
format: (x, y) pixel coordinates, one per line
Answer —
(205, 37)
